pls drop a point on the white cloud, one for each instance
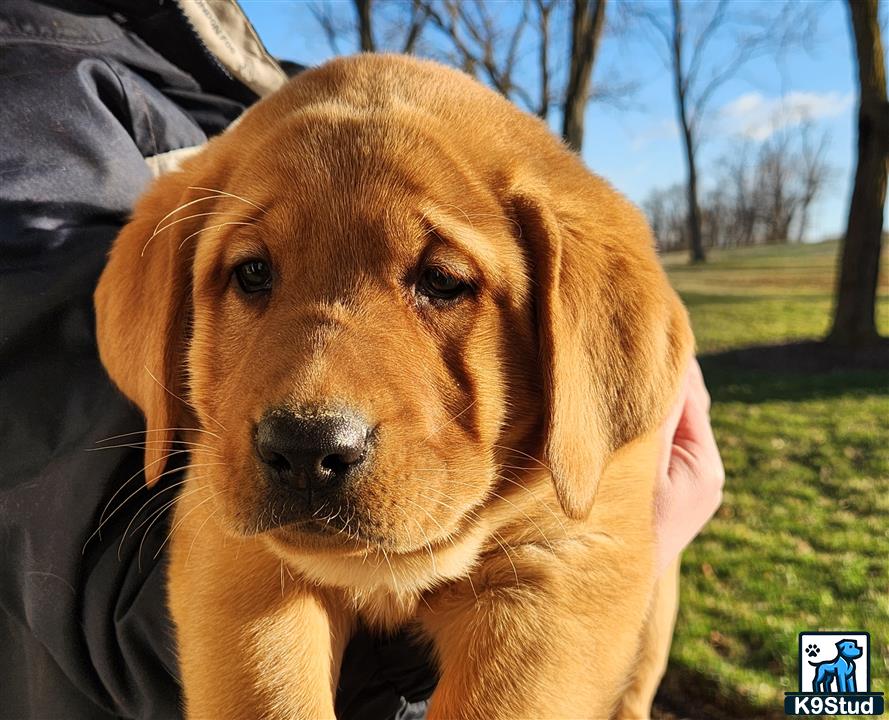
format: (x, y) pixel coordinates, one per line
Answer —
(758, 117)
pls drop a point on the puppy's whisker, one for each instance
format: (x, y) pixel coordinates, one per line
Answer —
(538, 500)
(215, 196)
(497, 538)
(227, 194)
(458, 209)
(499, 476)
(156, 494)
(145, 444)
(157, 517)
(391, 571)
(526, 515)
(103, 519)
(201, 527)
(428, 545)
(159, 493)
(471, 468)
(180, 521)
(150, 500)
(524, 454)
(448, 422)
(211, 227)
(159, 230)
(173, 212)
(157, 430)
(184, 402)
(445, 534)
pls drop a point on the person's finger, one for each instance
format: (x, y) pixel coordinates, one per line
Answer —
(672, 422)
(690, 486)
(696, 381)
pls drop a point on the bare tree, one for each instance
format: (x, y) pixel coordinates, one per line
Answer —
(494, 46)
(544, 13)
(689, 115)
(666, 215)
(489, 46)
(365, 28)
(776, 187)
(815, 174)
(685, 48)
(854, 316)
(690, 92)
(587, 20)
(392, 27)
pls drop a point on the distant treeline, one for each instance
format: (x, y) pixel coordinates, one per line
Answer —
(759, 193)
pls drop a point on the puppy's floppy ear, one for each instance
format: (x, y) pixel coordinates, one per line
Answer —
(614, 337)
(142, 310)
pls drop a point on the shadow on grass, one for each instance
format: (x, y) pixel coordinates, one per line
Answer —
(684, 693)
(796, 371)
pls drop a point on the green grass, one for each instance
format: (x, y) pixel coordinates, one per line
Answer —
(762, 295)
(802, 539)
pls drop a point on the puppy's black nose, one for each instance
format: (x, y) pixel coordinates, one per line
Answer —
(311, 452)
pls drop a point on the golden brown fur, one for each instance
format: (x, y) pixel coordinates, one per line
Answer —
(508, 514)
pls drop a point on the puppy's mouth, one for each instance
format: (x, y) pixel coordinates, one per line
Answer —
(351, 532)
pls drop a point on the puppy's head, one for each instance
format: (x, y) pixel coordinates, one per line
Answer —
(377, 288)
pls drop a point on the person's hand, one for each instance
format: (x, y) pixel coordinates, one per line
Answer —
(690, 475)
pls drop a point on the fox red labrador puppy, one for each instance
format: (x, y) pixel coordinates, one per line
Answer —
(420, 355)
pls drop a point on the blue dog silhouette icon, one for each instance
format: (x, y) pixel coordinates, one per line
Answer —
(841, 669)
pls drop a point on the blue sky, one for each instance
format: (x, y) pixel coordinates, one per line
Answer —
(635, 144)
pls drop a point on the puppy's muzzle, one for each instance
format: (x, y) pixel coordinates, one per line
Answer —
(311, 452)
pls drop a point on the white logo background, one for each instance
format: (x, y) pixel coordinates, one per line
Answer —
(827, 651)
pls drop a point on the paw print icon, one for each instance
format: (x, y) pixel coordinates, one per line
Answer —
(811, 650)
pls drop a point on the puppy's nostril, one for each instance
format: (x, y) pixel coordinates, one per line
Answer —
(277, 462)
(338, 463)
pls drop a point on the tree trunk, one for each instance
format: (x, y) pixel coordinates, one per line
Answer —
(854, 315)
(586, 29)
(365, 29)
(543, 58)
(695, 238)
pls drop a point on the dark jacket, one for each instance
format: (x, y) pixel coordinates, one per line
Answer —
(88, 91)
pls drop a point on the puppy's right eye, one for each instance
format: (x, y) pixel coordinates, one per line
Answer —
(254, 276)
(439, 285)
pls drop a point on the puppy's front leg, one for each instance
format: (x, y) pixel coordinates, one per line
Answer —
(546, 640)
(252, 642)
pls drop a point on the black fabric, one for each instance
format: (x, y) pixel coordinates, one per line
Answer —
(83, 626)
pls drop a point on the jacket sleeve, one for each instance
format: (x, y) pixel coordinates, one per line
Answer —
(83, 625)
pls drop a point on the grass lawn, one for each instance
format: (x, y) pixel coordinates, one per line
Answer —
(802, 539)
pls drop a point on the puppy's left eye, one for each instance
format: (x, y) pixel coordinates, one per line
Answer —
(254, 276)
(437, 284)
